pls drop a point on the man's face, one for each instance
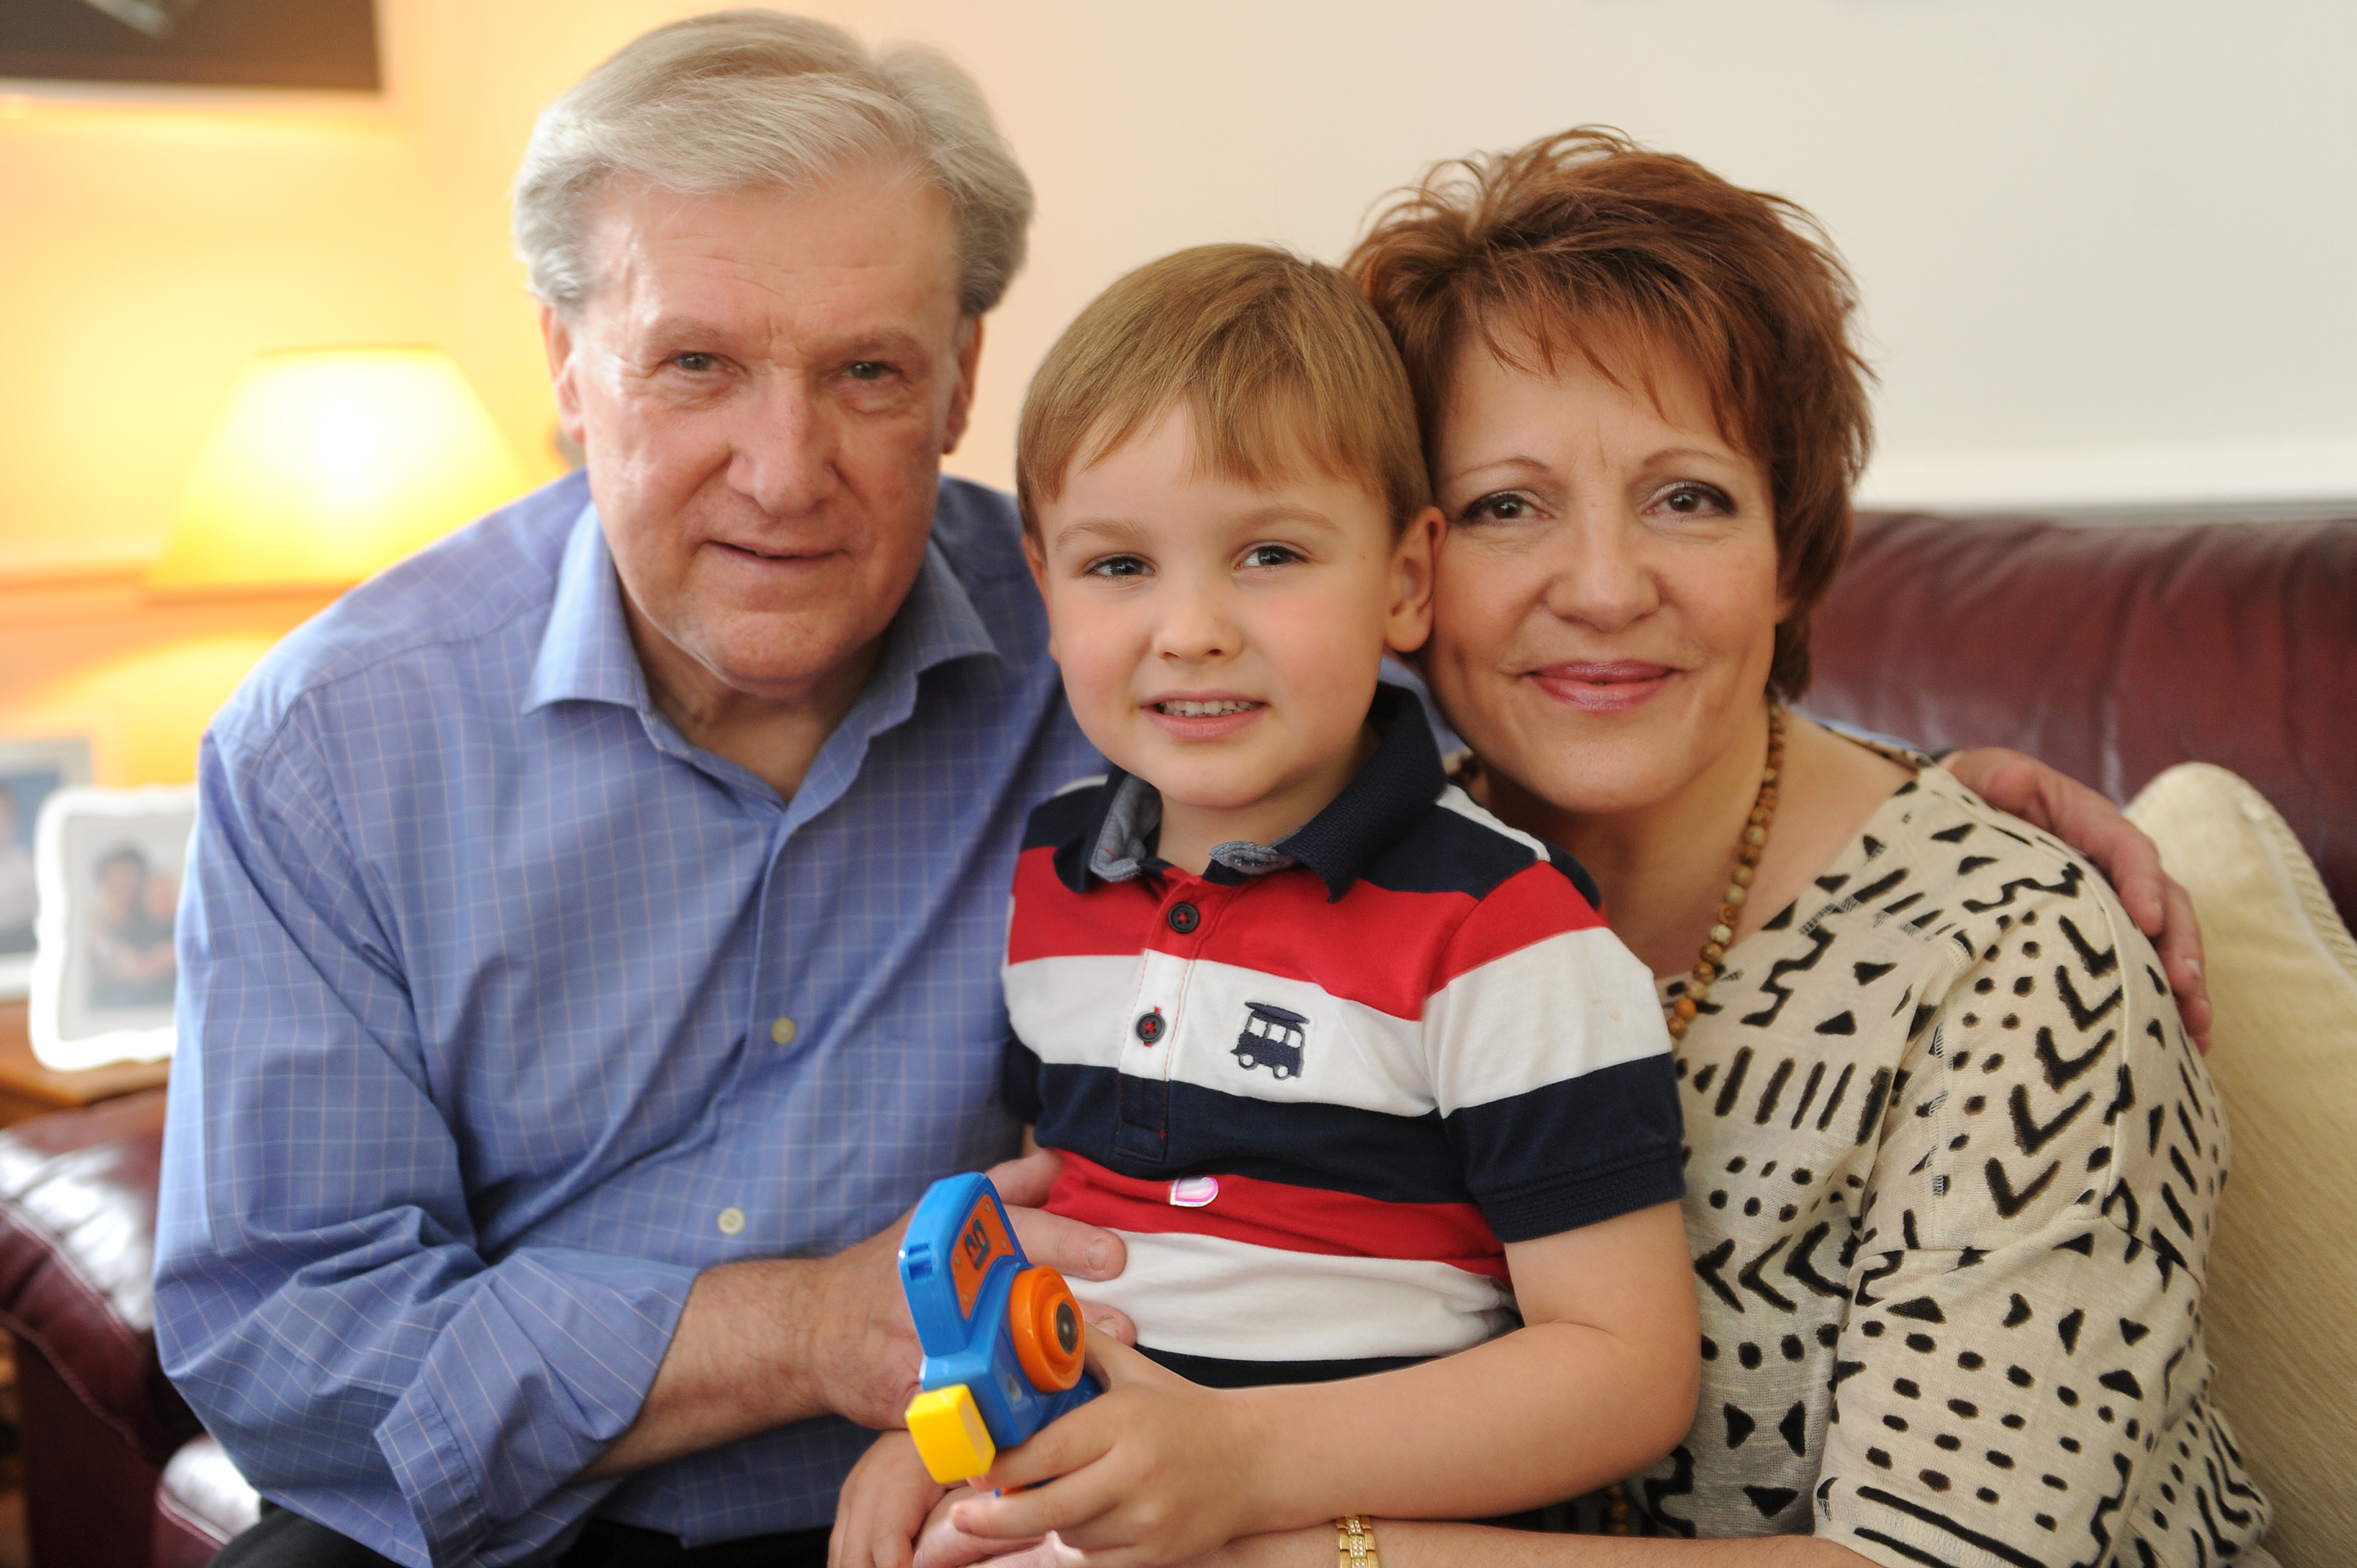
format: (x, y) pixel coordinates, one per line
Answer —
(765, 382)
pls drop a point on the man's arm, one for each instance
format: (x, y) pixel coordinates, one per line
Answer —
(322, 1297)
(764, 1342)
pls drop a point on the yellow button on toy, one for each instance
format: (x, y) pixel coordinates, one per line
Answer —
(950, 1438)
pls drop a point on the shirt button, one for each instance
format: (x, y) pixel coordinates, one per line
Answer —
(1183, 917)
(731, 1220)
(782, 1031)
(1149, 1025)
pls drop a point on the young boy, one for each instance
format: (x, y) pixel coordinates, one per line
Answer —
(1355, 1069)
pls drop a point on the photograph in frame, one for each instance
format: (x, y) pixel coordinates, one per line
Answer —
(318, 45)
(31, 771)
(108, 862)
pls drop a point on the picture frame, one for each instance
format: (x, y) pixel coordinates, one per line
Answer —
(108, 864)
(329, 45)
(32, 768)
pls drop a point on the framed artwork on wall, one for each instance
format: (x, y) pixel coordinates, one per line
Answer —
(311, 44)
(108, 862)
(31, 771)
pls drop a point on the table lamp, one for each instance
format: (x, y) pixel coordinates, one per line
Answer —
(329, 464)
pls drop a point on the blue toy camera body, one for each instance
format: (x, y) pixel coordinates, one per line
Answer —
(1001, 1335)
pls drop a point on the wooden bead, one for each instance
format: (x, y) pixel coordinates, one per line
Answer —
(1677, 1027)
(1755, 836)
(1712, 951)
(1736, 895)
(1683, 1007)
(1704, 972)
(1743, 875)
(1720, 934)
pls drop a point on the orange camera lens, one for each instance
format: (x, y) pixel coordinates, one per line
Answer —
(1045, 1323)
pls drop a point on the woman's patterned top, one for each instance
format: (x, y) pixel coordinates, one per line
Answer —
(1951, 1170)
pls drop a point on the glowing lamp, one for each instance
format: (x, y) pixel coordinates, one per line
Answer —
(329, 464)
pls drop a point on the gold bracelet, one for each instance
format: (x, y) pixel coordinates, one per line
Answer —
(1354, 1541)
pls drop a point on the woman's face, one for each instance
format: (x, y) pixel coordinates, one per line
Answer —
(1605, 601)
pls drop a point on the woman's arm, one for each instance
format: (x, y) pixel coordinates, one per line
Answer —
(1424, 1543)
(2090, 824)
(1599, 1383)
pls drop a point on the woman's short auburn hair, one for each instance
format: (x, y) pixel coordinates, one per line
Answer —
(1585, 243)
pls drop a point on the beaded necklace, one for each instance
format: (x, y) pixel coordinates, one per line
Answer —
(1738, 883)
(1681, 1012)
(1706, 967)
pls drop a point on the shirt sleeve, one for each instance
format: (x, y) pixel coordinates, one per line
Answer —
(1551, 1063)
(320, 1297)
(2024, 1336)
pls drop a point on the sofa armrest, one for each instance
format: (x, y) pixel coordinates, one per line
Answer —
(77, 1250)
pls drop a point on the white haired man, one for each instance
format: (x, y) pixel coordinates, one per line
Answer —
(593, 939)
(596, 918)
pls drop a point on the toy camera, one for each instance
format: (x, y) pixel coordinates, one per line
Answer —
(1001, 1335)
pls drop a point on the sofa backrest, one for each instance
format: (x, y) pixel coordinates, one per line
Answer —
(2113, 651)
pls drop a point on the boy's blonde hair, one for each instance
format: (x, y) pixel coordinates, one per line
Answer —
(1280, 361)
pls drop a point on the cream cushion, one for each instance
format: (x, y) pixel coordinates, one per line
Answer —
(2282, 1302)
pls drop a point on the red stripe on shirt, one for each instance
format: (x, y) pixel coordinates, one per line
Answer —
(1288, 1219)
(1055, 922)
(1379, 947)
(1525, 908)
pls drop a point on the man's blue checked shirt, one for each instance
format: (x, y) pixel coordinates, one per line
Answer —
(506, 1011)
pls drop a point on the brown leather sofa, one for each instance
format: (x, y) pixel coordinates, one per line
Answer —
(2113, 651)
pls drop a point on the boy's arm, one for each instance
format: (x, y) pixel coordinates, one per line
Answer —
(1598, 1384)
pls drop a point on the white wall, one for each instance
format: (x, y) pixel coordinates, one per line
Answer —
(2106, 246)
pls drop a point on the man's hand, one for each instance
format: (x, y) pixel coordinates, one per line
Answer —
(1155, 1470)
(768, 1342)
(2091, 824)
(863, 1354)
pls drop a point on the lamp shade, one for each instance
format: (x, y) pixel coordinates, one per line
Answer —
(329, 464)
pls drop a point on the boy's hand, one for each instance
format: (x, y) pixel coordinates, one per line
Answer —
(1153, 1471)
(885, 1502)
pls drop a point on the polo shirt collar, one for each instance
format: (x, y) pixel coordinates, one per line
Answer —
(1373, 812)
(586, 654)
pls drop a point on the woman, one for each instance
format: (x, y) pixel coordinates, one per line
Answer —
(1953, 1160)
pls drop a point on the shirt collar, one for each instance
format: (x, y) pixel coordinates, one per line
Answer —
(585, 655)
(1375, 809)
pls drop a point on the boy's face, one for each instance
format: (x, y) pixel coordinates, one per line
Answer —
(1220, 640)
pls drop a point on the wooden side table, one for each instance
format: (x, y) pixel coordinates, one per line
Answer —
(29, 1090)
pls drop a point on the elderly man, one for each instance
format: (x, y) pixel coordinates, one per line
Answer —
(612, 896)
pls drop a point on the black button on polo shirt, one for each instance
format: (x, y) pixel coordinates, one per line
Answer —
(1183, 917)
(1149, 1025)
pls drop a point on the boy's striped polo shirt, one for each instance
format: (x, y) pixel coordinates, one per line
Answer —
(1318, 1087)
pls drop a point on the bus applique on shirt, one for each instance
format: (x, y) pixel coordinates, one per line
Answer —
(1271, 1037)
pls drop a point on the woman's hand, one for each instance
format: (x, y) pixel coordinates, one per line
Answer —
(2091, 824)
(942, 1544)
(1155, 1470)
